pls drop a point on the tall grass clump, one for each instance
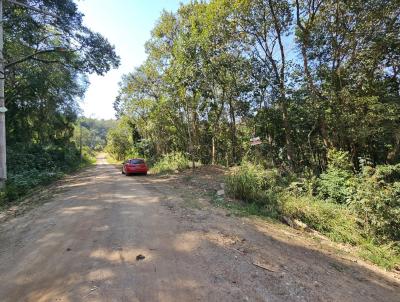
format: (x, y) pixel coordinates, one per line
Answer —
(333, 220)
(252, 183)
(171, 162)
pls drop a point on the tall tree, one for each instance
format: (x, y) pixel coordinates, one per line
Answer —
(47, 59)
(267, 23)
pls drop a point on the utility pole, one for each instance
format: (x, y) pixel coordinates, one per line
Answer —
(80, 139)
(3, 150)
(3, 109)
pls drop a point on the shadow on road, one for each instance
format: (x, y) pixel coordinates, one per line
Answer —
(83, 246)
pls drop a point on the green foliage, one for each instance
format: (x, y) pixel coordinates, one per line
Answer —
(46, 63)
(207, 88)
(368, 220)
(252, 183)
(385, 173)
(377, 202)
(35, 165)
(120, 140)
(20, 184)
(92, 133)
(335, 221)
(171, 162)
(337, 184)
(374, 194)
(384, 255)
(340, 224)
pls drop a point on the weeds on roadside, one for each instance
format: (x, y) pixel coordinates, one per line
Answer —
(362, 210)
(171, 162)
(35, 166)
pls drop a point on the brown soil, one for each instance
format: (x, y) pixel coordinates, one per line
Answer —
(107, 237)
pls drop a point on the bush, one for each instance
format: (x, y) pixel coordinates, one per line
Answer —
(386, 173)
(359, 209)
(337, 184)
(171, 162)
(21, 183)
(303, 186)
(377, 202)
(34, 165)
(253, 184)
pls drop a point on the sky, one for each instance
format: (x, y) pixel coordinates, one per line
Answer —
(127, 25)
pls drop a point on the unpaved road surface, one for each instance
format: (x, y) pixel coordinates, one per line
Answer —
(83, 245)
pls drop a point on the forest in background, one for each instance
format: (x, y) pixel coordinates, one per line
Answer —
(317, 80)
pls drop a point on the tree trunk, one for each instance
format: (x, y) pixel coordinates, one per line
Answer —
(394, 154)
(233, 130)
(288, 139)
(280, 76)
(190, 136)
(315, 95)
(3, 165)
(213, 151)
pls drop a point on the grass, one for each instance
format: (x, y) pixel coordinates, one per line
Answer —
(170, 163)
(111, 160)
(266, 193)
(332, 220)
(241, 209)
(383, 255)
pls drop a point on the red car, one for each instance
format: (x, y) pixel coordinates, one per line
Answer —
(134, 166)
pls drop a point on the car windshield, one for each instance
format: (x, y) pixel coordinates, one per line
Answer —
(137, 161)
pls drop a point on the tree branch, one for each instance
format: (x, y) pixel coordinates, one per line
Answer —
(31, 56)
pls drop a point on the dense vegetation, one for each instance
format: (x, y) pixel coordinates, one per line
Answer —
(47, 60)
(361, 209)
(317, 80)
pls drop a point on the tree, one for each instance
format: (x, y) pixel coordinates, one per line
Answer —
(47, 60)
(266, 23)
(46, 63)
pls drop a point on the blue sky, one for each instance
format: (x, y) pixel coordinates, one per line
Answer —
(127, 25)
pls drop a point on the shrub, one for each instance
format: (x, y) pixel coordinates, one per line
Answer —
(171, 162)
(21, 183)
(303, 186)
(359, 209)
(387, 173)
(34, 165)
(253, 184)
(133, 153)
(377, 202)
(337, 184)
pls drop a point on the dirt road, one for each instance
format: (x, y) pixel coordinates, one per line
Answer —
(83, 245)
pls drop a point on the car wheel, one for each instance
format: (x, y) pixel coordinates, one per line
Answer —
(127, 174)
